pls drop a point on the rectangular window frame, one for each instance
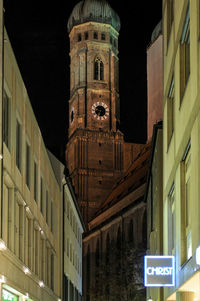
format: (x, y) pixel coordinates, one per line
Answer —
(185, 55)
(42, 196)
(35, 182)
(170, 112)
(171, 221)
(170, 18)
(18, 145)
(28, 165)
(47, 207)
(186, 234)
(6, 120)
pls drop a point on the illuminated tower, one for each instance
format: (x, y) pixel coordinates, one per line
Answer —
(95, 150)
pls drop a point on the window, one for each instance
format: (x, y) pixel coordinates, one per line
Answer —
(27, 165)
(52, 272)
(52, 216)
(6, 120)
(86, 35)
(41, 197)
(16, 229)
(36, 234)
(30, 242)
(170, 112)
(170, 17)
(70, 252)
(35, 181)
(42, 258)
(48, 267)
(7, 217)
(47, 207)
(185, 54)
(98, 69)
(18, 145)
(103, 36)
(171, 221)
(26, 239)
(68, 208)
(21, 232)
(131, 232)
(186, 234)
(79, 37)
(68, 247)
(95, 35)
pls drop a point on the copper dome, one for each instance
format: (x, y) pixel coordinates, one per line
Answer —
(93, 10)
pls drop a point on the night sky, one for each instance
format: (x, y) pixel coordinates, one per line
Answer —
(38, 34)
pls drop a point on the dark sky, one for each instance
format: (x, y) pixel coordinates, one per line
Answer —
(39, 37)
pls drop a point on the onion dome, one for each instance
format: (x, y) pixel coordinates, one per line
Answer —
(93, 10)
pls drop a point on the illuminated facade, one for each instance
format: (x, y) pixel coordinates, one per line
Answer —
(71, 240)
(30, 207)
(34, 261)
(96, 153)
(154, 191)
(181, 165)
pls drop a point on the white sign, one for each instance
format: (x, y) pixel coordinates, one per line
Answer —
(159, 271)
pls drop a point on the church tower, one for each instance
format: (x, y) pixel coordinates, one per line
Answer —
(95, 150)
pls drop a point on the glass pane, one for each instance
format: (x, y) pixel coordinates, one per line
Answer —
(187, 202)
(189, 245)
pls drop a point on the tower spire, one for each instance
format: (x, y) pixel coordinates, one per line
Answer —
(94, 153)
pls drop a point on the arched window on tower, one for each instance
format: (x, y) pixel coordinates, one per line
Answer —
(107, 250)
(131, 232)
(144, 230)
(97, 254)
(98, 69)
(118, 250)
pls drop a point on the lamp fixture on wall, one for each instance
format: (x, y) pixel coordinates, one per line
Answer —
(2, 245)
(2, 279)
(41, 283)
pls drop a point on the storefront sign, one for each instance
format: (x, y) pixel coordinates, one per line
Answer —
(159, 271)
(7, 296)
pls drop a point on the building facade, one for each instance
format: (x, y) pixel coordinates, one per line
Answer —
(72, 231)
(30, 198)
(154, 190)
(181, 111)
(114, 245)
(154, 55)
(96, 153)
(40, 223)
(153, 200)
(181, 98)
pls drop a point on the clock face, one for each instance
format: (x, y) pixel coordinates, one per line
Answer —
(100, 110)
